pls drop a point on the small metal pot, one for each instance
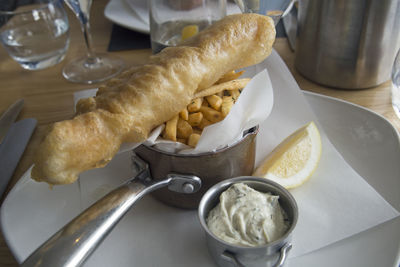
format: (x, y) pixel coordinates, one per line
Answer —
(271, 254)
(211, 167)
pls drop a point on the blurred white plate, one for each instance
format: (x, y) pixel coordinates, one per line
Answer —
(30, 213)
(133, 14)
(371, 145)
(120, 12)
(140, 8)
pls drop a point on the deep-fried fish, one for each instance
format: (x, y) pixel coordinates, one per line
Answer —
(128, 107)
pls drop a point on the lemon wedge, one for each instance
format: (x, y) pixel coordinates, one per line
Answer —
(189, 31)
(295, 159)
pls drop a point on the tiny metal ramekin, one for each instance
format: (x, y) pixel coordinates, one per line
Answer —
(271, 254)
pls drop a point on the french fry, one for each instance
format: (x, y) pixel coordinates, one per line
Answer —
(195, 118)
(181, 140)
(184, 130)
(204, 123)
(224, 77)
(170, 129)
(197, 130)
(235, 94)
(209, 106)
(227, 103)
(232, 75)
(214, 101)
(211, 114)
(193, 139)
(184, 114)
(231, 85)
(195, 104)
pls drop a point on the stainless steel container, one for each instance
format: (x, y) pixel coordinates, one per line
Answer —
(272, 254)
(211, 167)
(348, 44)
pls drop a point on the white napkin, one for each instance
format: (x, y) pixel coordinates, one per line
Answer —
(334, 204)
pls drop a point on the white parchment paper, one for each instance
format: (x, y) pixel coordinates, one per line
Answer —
(335, 203)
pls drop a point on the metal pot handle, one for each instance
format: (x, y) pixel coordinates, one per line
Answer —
(71, 245)
(231, 257)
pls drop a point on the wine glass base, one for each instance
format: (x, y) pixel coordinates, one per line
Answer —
(99, 68)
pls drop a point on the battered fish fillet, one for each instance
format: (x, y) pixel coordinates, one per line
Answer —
(128, 107)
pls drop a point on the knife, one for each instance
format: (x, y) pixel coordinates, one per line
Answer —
(290, 26)
(8, 117)
(13, 144)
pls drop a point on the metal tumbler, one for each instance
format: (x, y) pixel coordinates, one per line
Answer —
(349, 44)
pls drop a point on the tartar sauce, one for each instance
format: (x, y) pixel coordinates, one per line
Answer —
(247, 217)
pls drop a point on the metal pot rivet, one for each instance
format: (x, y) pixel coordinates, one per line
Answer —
(187, 188)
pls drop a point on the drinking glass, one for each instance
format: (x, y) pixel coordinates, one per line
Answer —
(36, 35)
(272, 8)
(172, 20)
(396, 85)
(93, 67)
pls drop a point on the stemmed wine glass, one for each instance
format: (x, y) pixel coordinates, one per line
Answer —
(93, 67)
(273, 8)
(396, 84)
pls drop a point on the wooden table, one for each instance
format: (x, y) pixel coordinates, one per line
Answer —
(49, 97)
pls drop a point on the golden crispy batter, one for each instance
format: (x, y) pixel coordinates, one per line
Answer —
(128, 107)
(216, 88)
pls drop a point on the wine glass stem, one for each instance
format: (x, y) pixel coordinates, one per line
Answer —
(88, 39)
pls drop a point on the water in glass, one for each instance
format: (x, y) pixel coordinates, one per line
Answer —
(272, 8)
(168, 18)
(169, 33)
(36, 38)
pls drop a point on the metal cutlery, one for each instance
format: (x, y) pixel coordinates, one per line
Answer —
(9, 116)
(13, 139)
